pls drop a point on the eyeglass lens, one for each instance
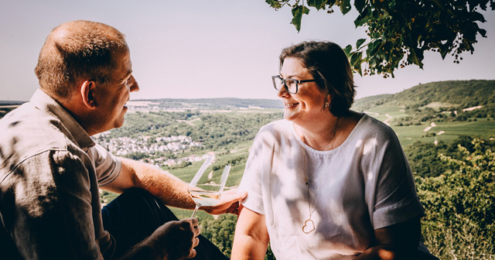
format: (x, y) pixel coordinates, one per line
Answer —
(290, 83)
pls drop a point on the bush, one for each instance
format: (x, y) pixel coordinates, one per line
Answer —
(459, 204)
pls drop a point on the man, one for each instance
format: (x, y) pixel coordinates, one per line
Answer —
(51, 170)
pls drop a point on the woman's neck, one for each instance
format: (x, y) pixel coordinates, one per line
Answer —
(322, 135)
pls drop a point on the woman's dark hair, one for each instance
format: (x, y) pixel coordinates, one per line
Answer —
(329, 65)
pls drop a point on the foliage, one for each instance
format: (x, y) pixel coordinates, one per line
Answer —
(220, 231)
(426, 159)
(460, 213)
(400, 31)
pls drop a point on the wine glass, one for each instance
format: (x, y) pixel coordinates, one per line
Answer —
(203, 190)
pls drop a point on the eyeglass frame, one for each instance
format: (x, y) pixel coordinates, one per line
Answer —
(285, 84)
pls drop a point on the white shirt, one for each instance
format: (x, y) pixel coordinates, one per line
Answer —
(362, 185)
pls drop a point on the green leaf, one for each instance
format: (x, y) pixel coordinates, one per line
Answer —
(348, 49)
(330, 3)
(363, 17)
(318, 4)
(413, 58)
(482, 32)
(274, 3)
(297, 13)
(345, 6)
(359, 4)
(373, 47)
(360, 42)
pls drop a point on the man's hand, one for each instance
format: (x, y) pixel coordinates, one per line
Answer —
(177, 239)
(229, 203)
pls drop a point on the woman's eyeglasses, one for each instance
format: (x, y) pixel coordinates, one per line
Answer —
(291, 85)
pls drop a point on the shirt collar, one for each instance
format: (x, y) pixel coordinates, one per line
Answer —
(44, 102)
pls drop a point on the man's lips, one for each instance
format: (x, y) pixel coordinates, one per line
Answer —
(291, 104)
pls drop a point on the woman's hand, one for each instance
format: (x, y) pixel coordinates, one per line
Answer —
(229, 203)
(399, 241)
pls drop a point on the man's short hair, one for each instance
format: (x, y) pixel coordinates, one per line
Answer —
(77, 50)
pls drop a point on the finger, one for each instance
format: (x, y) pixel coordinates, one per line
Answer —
(192, 254)
(196, 242)
(193, 221)
(197, 230)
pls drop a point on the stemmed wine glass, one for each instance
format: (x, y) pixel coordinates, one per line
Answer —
(207, 192)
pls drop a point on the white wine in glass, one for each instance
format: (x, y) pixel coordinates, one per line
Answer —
(207, 192)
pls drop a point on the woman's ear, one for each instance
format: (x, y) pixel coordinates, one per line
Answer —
(328, 101)
(88, 94)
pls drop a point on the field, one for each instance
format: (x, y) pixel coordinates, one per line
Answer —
(440, 131)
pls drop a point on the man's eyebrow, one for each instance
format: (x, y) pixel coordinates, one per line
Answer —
(127, 76)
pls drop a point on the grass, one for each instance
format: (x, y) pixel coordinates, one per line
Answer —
(452, 130)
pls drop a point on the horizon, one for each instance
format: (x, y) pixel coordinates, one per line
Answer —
(198, 50)
(272, 99)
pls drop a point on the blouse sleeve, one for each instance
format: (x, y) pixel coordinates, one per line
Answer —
(395, 199)
(252, 179)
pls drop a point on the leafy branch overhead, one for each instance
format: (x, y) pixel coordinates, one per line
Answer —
(400, 31)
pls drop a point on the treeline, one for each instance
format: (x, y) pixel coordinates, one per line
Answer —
(426, 158)
(216, 103)
(140, 123)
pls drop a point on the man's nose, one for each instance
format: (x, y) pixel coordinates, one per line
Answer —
(134, 86)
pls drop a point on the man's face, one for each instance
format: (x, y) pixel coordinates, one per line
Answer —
(111, 98)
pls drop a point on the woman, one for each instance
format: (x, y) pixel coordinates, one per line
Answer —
(326, 182)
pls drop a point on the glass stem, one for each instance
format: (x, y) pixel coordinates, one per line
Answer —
(195, 209)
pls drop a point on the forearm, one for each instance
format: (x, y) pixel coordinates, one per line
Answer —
(251, 236)
(142, 251)
(247, 247)
(171, 190)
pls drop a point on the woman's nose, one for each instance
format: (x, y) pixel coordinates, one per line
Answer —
(282, 92)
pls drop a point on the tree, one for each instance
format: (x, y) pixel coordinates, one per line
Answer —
(400, 31)
(460, 214)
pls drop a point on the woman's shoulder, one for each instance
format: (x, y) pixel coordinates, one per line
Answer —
(275, 126)
(370, 126)
(274, 130)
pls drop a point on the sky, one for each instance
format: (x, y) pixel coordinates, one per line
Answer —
(208, 49)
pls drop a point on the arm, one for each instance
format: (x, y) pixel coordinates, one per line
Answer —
(251, 236)
(399, 241)
(171, 190)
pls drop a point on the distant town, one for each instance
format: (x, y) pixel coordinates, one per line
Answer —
(123, 146)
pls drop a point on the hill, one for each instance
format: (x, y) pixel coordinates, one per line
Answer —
(10, 103)
(447, 94)
(437, 111)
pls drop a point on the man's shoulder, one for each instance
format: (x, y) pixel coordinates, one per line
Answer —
(28, 130)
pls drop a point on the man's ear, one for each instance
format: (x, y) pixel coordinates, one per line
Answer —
(88, 94)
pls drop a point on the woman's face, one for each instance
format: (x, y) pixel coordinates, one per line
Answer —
(307, 105)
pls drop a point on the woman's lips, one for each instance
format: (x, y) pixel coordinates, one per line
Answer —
(291, 104)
